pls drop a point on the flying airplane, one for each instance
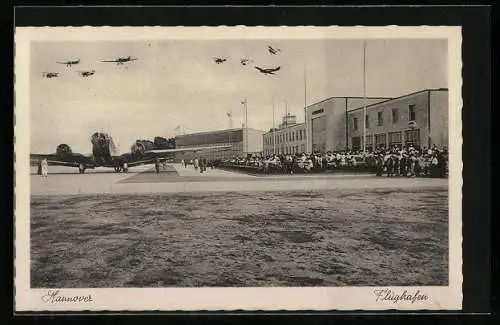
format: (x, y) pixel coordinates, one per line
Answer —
(219, 60)
(268, 71)
(273, 50)
(50, 74)
(121, 60)
(70, 63)
(105, 154)
(245, 61)
(86, 73)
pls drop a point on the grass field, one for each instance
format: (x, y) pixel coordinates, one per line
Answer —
(313, 238)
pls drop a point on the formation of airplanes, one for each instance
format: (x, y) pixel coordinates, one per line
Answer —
(105, 154)
(245, 61)
(88, 73)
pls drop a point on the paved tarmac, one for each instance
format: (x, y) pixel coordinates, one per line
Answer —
(175, 179)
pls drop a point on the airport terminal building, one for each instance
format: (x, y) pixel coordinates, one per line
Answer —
(326, 122)
(419, 119)
(242, 141)
(336, 123)
(288, 138)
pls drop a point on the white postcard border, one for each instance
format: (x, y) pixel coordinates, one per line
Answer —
(212, 299)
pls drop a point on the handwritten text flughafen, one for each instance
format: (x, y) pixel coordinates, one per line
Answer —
(405, 296)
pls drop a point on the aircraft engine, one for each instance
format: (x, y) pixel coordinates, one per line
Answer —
(63, 149)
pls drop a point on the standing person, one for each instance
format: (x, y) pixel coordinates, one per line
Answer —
(157, 165)
(45, 167)
(202, 166)
(195, 163)
(182, 163)
(39, 165)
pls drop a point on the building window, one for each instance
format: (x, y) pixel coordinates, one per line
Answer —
(318, 111)
(367, 121)
(303, 148)
(380, 118)
(412, 137)
(395, 138)
(380, 140)
(296, 149)
(395, 116)
(355, 123)
(293, 136)
(411, 112)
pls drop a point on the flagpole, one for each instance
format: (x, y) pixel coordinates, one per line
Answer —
(364, 96)
(273, 135)
(244, 102)
(246, 123)
(305, 110)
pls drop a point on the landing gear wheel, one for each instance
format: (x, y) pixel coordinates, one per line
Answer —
(81, 169)
(118, 169)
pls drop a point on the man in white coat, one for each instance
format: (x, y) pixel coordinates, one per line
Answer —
(45, 167)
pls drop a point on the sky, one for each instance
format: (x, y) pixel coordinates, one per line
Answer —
(177, 83)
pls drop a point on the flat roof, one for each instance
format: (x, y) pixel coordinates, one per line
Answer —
(216, 131)
(400, 97)
(345, 97)
(286, 127)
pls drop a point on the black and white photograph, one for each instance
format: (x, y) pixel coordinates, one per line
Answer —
(224, 168)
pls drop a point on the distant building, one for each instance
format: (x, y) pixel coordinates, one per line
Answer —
(326, 122)
(419, 118)
(288, 138)
(242, 141)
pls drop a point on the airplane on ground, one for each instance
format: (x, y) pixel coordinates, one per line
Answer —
(268, 71)
(121, 60)
(219, 60)
(70, 63)
(273, 50)
(50, 74)
(105, 154)
(86, 73)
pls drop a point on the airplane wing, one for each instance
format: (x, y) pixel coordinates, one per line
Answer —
(109, 61)
(195, 149)
(70, 160)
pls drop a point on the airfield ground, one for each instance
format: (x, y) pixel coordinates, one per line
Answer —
(183, 228)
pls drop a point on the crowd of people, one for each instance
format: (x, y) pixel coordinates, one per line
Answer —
(410, 161)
